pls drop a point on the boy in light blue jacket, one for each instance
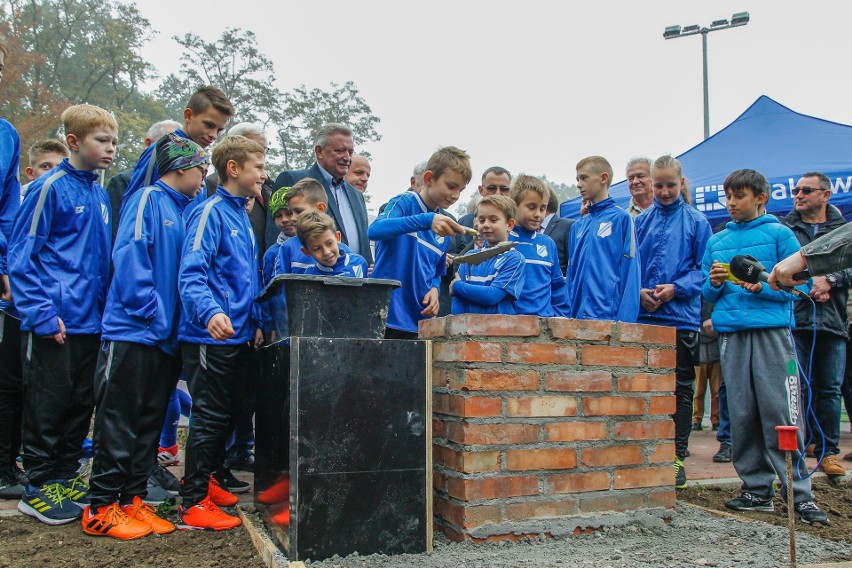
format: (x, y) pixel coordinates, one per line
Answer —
(756, 349)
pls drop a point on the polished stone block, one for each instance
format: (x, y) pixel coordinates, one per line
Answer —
(359, 446)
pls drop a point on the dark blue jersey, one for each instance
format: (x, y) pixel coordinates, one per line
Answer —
(491, 287)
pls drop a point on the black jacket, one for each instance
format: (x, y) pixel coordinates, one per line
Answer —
(830, 315)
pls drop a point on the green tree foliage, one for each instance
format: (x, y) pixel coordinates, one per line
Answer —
(563, 191)
(305, 111)
(74, 51)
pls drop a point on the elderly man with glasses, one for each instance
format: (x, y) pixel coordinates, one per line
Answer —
(812, 216)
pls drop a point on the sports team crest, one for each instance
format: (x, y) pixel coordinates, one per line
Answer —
(605, 229)
(541, 250)
(105, 213)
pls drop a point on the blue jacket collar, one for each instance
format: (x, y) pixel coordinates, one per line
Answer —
(677, 204)
(764, 219)
(82, 175)
(236, 201)
(601, 205)
(180, 200)
(523, 232)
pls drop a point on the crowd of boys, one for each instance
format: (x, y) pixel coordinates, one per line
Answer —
(91, 324)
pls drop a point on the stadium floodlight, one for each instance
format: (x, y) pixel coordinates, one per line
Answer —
(671, 32)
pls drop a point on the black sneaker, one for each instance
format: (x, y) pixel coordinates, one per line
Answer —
(697, 427)
(245, 464)
(750, 502)
(680, 474)
(10, 487)
(724, 454)
(162, 477)
(810, 513)
(715, 427)
(227, 480)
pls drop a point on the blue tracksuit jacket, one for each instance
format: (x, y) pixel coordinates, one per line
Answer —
(143, 302)
(59, 257)
(491, 287)
(10, 193)
(349, 264)
(544, 292)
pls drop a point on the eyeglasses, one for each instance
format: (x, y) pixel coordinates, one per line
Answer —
(806, 190)
(495, 188)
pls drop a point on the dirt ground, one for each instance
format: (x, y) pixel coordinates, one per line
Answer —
(833, 498)
(27, 542)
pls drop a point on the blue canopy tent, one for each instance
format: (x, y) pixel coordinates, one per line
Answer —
(772, 139)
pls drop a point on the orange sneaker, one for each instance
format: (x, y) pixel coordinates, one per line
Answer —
(219, 495)
(275, 493)
(282, 518)
(206, 515)
(112, 521)
(146, 513)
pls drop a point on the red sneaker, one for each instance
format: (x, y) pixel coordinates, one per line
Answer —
(168, 456)
(282, 518)
(146, 513)
(206, 515)
(277, 492)
(218, 495)
(112, 521)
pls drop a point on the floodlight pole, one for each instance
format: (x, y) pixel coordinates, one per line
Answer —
(672, 32)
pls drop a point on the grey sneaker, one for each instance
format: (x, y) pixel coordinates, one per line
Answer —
(810, 513)
(10, 487)
(165, 479)
(724, 454)
(750, 502)
(156, 494)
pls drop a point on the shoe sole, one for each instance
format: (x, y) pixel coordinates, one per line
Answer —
(239, 490)
(30, 512)
(184, 527)
(721, 460)
(95, 533)
(812, 523)
(767, 509)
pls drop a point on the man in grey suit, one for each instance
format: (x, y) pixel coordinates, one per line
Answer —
(334, 149)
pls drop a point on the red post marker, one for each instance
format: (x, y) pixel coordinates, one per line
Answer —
(787, 438)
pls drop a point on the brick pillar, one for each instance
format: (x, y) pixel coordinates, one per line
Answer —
(540, 425)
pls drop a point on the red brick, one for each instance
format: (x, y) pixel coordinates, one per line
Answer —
(579, 482)
(613, 455)
(541, 353)
(439, 428)
(492, 487)
(494, 325)
(662, 359)
(640, 333)
(439, 481)
(550, 458)
(646, 382)
(541, 406)
(578, 381)
(450, 532)
(613, 406)
(493, 434)
(468, 516)
(663, 453)
(441, 403)
(467, 461)
(586, 330)
(575, 431)
(432, 327)
(468, 351)
(488, 380)
(666, 499)
(662, 405)
(479, 406)
(441, 377)
(593, 504)
(644, 477)
(645, 430)
(540, 510)
(613, 356)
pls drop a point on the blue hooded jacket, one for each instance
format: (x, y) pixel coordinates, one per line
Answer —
(10, 193)
(59, 257)
(218, 271)
(736, 309)
(603, 265)
(672, 239)
(142, 304)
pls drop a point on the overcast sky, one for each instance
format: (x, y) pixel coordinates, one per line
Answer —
(532, 85)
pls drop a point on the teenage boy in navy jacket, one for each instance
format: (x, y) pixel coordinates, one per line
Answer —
(138, 365)
(59, 267)
(220, 322)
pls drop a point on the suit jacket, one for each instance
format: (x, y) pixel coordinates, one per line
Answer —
(265, 231)
(115, 189)
(356, 201)
(557, 230)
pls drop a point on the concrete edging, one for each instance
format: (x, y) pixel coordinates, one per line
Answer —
(269, 553)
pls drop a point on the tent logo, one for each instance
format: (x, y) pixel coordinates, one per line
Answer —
(710, 198)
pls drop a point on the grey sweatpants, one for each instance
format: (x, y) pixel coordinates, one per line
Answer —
(763, 392)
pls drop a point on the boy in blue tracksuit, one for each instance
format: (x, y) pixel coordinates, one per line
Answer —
(756, 349)
(493, 286)
(59, 268)
(412, 241)
(283, 218)
(204, 118)
(672, 236)
(321, 241)
(138, 365)
(603, 266)
(544, 293)
(220, 321)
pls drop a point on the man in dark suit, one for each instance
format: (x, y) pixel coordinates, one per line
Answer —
(334, 149)
(119, 182)
(495, 181)
(557, 229)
